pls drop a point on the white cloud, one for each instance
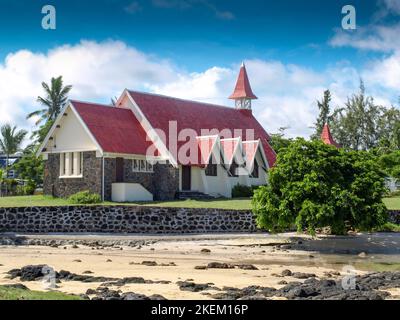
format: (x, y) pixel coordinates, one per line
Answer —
(380, 38)
(98, 71)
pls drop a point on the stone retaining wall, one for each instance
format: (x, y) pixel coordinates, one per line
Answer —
(123, 219)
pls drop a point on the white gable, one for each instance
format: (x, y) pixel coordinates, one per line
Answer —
(70, 136)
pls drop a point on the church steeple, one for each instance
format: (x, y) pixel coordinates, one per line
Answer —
(243, 95)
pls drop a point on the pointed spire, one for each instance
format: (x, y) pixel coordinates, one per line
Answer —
(243, 88)
(327, 138)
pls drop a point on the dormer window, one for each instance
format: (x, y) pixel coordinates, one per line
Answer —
(212, 169)
(256, 170)
(234, 170)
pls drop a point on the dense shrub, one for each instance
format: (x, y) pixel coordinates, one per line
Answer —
(394, 194)
(85, 197)
(26, 190)
(315, 186)
(241, 191)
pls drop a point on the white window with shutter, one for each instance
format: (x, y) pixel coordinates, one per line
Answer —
(71, 165)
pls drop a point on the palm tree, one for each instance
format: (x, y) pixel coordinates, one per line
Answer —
(10, 142)
(56, 95)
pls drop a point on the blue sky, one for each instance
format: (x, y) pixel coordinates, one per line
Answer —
(197, 33)
(192, 48)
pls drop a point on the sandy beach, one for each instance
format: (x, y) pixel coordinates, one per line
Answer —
(177, 258)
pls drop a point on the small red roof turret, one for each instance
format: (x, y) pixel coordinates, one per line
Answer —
(243, 88)
(327, 138)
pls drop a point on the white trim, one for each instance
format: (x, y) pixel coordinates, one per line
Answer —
(86, 128)
(131, 156)
(102, 180)
(217, 142)
(70, 150)
(148, 128)
(54, 127)
(71, 177)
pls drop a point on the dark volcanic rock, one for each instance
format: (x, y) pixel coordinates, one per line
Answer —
(367, 288)
(104, 293)
(286, 273)
(28, 273)
(201, 267)
(301, 275)
(218, 265)
(150, 263)
(194, 287)
(246, 267)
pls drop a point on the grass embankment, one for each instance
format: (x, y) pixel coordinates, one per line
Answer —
(392, 203)
(229, 204)
(42, 201)
(9, 293)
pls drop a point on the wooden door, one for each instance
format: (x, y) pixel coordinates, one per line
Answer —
(186, 178)
(119, 170)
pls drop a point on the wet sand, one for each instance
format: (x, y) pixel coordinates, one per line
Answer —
(269, 254)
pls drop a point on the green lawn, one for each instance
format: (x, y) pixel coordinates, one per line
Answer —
(7, 293)
(393, 203)
(40, 201)
(236, 204)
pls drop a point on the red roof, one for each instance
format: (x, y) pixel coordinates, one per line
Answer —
(229, 147)
(116, 130)
(250, 149)
(327, 137)
(206, 145)
(243, 88)
(160, 110)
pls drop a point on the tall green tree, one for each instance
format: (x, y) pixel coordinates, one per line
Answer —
(30, 168)
(389, 130)
(278, 141)
(355, 126)
(314, 185)
(390, 163)
(56, 95)
(324, 114)
(10, 142)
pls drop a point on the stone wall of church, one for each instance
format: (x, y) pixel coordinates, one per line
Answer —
(124, 219)
(63, 188)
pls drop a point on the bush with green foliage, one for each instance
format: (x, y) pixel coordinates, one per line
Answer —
(394, 194)
(30, 168)
(390, 163)
(26, 190)
(314, 185)
(85, 197)
(241, 191)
